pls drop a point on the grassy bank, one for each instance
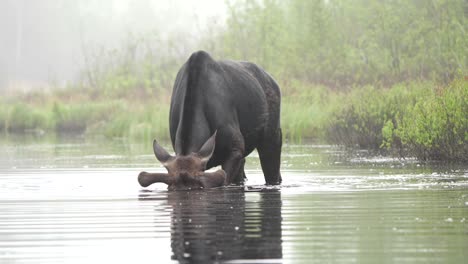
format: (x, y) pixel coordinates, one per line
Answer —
(112, 118)
(419, 119)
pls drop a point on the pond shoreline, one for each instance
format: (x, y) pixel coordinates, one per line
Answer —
(415, 119)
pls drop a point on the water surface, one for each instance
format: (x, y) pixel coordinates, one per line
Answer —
(78, 201)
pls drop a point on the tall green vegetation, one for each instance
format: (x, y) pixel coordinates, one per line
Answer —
(421, 119)
(368, 116)
(341, 43)
(386, 75)
(437, 128)
(381, 62)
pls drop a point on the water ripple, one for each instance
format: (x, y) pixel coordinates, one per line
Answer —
(322, 213)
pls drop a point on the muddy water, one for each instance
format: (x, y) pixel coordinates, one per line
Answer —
(76, 201)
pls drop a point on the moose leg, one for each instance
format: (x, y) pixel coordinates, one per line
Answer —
(242, 172)
(234, 168)
(234, 162)
(269, 151)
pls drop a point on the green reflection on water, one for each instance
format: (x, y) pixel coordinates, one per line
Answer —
(377, 226)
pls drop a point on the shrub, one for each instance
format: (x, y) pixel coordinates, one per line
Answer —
(70, 118)
(360, 119)
(437, 128)
(305, 112)
(22, 118)
(144, 122)
(367, 116)
(3, 117)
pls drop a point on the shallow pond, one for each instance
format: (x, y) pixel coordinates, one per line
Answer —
(78, 201)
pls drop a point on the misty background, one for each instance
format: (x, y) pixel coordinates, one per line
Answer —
(48, 41)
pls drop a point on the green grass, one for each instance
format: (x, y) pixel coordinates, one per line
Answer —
(142, 122)
(306, 111)
(110, 118)
(21, 117)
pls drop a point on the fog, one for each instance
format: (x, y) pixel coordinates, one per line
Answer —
(44, 42)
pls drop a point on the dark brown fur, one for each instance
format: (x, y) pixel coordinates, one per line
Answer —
(220, 112)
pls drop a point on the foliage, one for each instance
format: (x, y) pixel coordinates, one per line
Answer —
(77, 117)
(144, 122)
(306, 110)
(3, 118)
(437, 128)
(342, 43)
(419, 119)
(368, 116)
(113, 119)
(353, 72)
(22, 117)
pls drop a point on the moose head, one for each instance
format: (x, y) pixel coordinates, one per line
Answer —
(185, 171)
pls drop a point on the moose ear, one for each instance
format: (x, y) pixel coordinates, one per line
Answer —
(206, 151)
(161, 154)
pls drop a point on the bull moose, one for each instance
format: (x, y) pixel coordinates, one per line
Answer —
(220, 112)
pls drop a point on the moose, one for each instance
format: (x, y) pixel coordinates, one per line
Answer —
(221, 110)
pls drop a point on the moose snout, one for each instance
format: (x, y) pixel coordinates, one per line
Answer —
(145, 179)
(184, 180)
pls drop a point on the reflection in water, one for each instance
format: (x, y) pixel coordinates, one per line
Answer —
(222, 224)
(75, 203)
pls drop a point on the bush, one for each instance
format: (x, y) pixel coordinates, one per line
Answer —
(22, 118)
(3, 117)
(77, 117)
(360, 119)
(144, 122)
(367, 117)
(305, 112)
(70, 118)
(437, 128)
